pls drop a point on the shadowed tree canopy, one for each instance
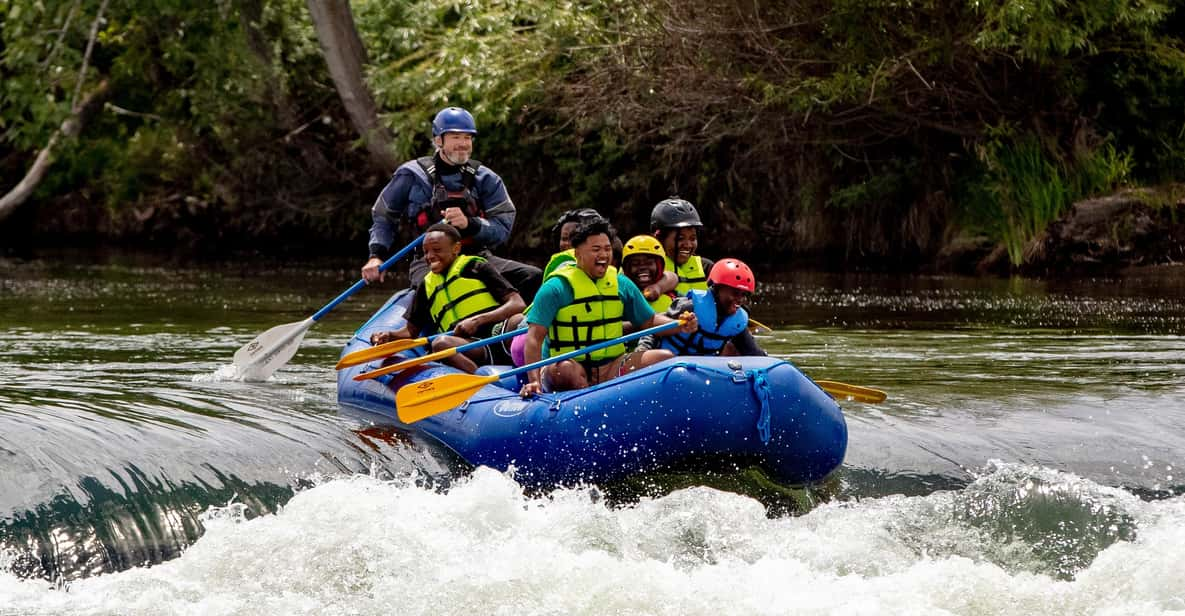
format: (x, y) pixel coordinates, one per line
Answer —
(843, 131)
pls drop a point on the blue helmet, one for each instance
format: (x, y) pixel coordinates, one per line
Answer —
(453, 120)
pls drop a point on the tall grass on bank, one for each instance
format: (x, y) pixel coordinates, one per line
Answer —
(1024, 187)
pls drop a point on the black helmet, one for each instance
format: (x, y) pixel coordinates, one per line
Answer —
(579, 216)
(673, 213)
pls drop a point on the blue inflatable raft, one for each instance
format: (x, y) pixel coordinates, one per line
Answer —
(755, 410)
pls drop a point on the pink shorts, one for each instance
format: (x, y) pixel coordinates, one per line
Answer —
(517, 352)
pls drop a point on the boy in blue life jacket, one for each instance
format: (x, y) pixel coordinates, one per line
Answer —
(463, 293)
(676, 224)
(723, 320)
(585, 304)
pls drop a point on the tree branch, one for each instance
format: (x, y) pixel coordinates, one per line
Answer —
(86, 59)
(71, 127)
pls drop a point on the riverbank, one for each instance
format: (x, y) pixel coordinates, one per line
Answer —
(1111, 235)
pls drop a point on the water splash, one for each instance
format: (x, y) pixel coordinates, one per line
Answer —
(227, 373)
(486, 546)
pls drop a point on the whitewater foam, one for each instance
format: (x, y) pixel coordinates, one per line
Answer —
(359, 545)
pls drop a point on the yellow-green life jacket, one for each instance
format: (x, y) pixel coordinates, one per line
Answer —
(454, 297)
(563, 258)
(661, 303)
(558, 259)
(594, 316)
(691, 275)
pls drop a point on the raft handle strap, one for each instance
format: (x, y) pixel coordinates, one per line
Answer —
(666, 373)
(761, 390)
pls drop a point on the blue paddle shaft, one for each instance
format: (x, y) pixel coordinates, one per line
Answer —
(435, 336)
(362, 282)
(589, 349)
(477, 344)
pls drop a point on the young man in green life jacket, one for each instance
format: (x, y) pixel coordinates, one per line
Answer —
(644, 262)
(723, 320)
(562, 232)
(676, 224)
(582, 305)
(462, 293)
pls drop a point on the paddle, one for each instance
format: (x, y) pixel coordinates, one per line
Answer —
(757, 326)
(385, 349)
(449, 352)
(852, 392)
(434, 396)
(834, 388)
(258, 359)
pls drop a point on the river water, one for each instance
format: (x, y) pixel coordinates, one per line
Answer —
(1028, 461)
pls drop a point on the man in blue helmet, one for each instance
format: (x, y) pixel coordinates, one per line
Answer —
(450, 187)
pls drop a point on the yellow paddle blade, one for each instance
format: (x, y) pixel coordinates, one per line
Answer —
(757, 327)
(434, 396)
(852, 392)
(382, 350)
(407, 363)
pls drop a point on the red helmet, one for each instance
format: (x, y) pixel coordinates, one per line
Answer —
(733, 273)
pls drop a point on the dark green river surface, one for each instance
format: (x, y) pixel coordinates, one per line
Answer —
(1029, 459)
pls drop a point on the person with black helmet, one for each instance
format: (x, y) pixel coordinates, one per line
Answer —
(676, 224)
(562, 230)
(450, 187)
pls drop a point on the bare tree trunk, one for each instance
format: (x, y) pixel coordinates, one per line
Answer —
(80, 114)
(345, 56)
(71, 127)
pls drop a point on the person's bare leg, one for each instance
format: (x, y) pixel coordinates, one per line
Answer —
(631, 362)
(566, 375)
(642, 359)
(462, 361)
(459, 360)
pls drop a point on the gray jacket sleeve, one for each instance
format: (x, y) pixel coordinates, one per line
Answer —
(678, 306)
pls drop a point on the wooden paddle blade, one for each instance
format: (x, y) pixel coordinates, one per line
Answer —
(404, 365)
(852, 392)
(757, 327)
(269, 351)
(427, 398)
(376, 352)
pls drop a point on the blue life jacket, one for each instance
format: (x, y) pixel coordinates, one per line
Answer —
(712, 335)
